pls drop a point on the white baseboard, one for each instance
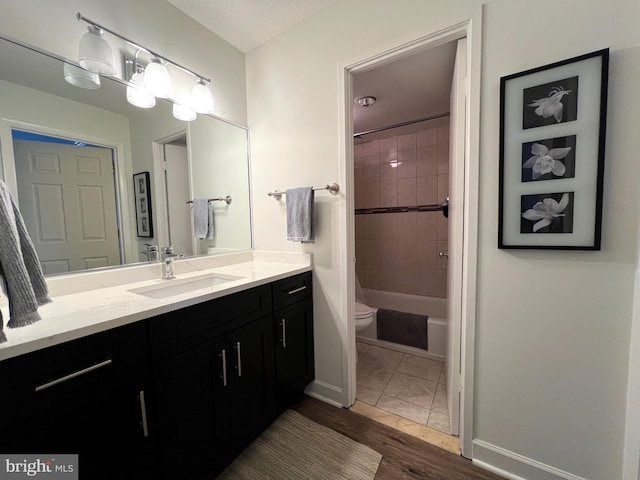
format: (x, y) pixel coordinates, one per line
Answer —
(325, 392)
(514, 466)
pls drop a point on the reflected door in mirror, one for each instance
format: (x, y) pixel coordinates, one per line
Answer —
(66, 195)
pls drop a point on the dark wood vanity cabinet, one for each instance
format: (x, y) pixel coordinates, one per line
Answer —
(177, 396)
(219, 393)
(214, 399)
(90, 397)
(293, 332)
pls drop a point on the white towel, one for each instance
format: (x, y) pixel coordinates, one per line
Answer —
(20, 271)
(300, 214)
(202, 218)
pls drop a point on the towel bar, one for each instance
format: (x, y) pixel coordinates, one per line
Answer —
(439, 207)
(219, 199)
(334, 188)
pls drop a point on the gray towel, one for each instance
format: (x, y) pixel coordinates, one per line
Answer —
(202, 218)
(20, 271)
(300, 214)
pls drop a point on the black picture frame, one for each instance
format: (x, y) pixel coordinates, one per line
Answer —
(142, 197)
(552, 141)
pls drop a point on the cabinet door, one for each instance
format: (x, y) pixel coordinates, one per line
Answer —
(251, 391)
(190, 411)
(109, 430)
(294, 350)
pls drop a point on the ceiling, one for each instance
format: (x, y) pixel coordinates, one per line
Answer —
(410, 88)
(247, 24)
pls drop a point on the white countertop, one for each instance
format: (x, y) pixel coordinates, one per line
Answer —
(76, 315)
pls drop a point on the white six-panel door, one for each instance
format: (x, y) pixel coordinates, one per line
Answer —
(66, 195)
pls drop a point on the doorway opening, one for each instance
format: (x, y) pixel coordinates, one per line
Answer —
(457, 276)
(401, 189)
(173, 193)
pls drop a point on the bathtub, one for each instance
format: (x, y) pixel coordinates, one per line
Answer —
(435, 308)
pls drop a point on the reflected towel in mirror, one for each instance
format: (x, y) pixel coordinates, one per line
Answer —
(202, 218)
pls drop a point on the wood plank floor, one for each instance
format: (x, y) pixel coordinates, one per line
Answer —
(403, 456)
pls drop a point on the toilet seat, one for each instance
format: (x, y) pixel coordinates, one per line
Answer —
(363, 311)
(363, 317)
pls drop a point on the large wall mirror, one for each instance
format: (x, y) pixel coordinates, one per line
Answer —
(71, 154)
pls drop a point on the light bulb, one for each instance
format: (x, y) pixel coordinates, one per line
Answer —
(157, 79)
(138, 94)
(201, 99)
(183, 112)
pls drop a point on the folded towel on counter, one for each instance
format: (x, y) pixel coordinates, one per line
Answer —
(300, 214)
(202, 218)
(20, 271)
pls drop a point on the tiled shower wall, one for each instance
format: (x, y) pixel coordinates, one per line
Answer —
(398, 252)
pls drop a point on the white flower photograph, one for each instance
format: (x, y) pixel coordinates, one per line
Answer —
(549, 159)
(547, 213)
(552, 153)
(551, 103)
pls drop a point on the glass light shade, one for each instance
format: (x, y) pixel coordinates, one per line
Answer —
(80, 77)
(183, 112)
(157, 79)
(137, 93)
(201, 99)
(94, 53)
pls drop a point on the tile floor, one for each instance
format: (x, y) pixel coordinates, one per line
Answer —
(405, 385)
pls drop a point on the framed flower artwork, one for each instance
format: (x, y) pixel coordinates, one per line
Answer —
(552, 135)
(142, 196)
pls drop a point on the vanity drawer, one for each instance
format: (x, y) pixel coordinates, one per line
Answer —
(291, 290)
(35, 383)
(179, 331)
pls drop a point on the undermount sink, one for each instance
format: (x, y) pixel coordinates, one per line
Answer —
(170, 288)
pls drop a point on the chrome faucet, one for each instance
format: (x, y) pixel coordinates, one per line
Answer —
(151, 253)
(167, 262)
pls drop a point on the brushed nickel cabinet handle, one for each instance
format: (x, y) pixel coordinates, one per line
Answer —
(296, 290)
(223, 354)
(284, 333)
(143, 413)
(239, 359)
(44, 386)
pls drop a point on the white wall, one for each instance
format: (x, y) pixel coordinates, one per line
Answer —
(158, 25)
(552, 327)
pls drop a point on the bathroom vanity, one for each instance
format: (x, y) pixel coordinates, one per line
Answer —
(174, 395)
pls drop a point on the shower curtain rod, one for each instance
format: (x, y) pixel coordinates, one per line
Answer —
(401, 124)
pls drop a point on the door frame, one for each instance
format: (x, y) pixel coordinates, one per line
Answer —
(8, 169)
(471, 29)
(162, 219)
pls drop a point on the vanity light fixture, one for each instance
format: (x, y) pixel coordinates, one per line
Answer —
(182, 111)
(95, 54)
(156, 76)
(138, 94)
(80, 77)
(157, 79)
(201, 99)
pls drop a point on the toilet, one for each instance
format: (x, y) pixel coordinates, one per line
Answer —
(364, 314)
